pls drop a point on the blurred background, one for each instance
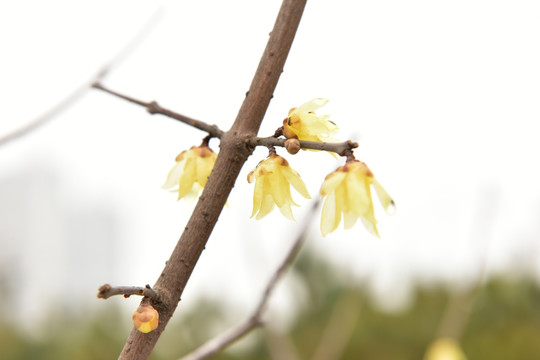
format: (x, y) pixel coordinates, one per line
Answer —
(442, 98)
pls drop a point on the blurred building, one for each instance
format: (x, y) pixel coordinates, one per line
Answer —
(55, 250)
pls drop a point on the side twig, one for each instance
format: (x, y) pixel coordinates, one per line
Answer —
(106, 291)
(82, 89)
(339, 148)
(224, 340)
(154, 108)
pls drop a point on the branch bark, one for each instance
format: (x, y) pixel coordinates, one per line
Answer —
(233, 154)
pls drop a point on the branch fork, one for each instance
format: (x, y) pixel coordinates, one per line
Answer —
(341, 148)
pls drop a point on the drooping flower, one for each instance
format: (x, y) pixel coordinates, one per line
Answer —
(145, 318)
(348, 194)
(273, 179)
(303, 124)
(191, 171)
(444, 349)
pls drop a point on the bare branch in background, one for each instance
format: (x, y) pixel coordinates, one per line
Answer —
(224, 340)
(339, 329)
(460, 305)
(82, 89)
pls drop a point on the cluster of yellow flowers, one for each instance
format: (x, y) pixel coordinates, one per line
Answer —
(347, 189)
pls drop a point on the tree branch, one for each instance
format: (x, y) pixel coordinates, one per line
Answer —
(106, 291)
(154, 108)
(339, 148)
(214, 131)
(232, 156)
(82, 89)
(224, 340)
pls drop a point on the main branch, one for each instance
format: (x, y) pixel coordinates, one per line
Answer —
(233, 153)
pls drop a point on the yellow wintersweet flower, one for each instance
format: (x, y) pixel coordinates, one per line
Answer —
(303, 124)
(444, 349)
(273, 178)
(191, 171)
(145, 318)
(348, 192)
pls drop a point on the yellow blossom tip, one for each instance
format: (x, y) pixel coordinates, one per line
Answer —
(145, 318)
(304, 124)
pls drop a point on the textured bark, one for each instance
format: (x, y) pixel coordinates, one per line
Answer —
(234, 151)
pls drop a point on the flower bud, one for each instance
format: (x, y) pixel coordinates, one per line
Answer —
(292, 146)
(145, 318)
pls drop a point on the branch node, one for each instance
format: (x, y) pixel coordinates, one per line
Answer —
(153, 107)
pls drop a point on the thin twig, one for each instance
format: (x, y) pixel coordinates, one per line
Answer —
(154, 108)
(222, 341)
(82, 89)
(106, 291)
(339, 329)
(339, 148)
(460, 305)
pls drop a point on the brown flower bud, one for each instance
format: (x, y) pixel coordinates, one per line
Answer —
(292, 146)
(145, 318)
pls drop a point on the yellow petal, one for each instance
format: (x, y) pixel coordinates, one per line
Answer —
(188, 178)
(287, 212)
(349, 219)
(332, 181)
(279, 189)
(251, 176)
(267, 203)
(294, 179)
(385, 199)
(173, 178)
(330, 218)
(319, 125)
(342, 198)
(267, 206)
(311, 105)
(359, 193)
(370, 225)
(204, 168)
(257, 195)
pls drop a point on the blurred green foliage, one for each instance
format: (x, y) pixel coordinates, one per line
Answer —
(339, 321)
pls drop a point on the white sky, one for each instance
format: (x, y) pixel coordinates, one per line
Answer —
(443, 98)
